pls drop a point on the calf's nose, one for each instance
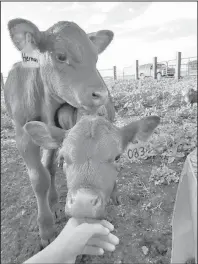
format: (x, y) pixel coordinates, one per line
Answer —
(84, 205)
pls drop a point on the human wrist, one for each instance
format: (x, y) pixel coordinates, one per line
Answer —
(62, 250)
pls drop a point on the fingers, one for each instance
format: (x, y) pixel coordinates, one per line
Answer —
(110, 238)
(90, 250)
(88, 238)
(101, 244)
(96, 246)
(99, 229)
(107, 224)
(82, 234)
(92, 229)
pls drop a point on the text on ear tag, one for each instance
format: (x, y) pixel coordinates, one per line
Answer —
(137, 151)
(31, 60)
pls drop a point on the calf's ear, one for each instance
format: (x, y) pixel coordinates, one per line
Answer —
(24, 34)
(101, 39)
(48, 137)
(141, 129)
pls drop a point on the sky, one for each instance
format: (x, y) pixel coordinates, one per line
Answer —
(142, 30)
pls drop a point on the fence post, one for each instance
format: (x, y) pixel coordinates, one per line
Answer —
(154, 67)
(178, 66)
(136, 69)
(2, 82)
(188, 66)
(114, 73)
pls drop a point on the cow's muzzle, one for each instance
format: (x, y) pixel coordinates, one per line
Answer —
(85, 204)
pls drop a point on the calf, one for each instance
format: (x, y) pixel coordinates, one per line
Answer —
(89, 150)
(59, 67)
(190, 97)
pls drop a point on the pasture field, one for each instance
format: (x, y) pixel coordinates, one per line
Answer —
(147, 187)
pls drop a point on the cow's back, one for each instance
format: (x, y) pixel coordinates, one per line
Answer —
(24, 93)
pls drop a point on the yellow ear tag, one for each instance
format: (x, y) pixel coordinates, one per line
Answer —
(30, 55)
(137, 151)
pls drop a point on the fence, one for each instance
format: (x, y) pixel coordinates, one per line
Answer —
(188, 66)
(180, 67)
(128, 73)
(108, 74)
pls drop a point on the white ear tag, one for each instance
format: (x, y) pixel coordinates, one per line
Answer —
(31, 60)
(30, 55)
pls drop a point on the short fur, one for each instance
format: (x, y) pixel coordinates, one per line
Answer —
(90, 150)
(66, 79)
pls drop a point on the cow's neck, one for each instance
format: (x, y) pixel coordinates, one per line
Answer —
(52, 102)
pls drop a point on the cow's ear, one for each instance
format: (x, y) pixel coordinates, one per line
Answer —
(101, 39)
(48, 137)
(24, 34)
(141, 129)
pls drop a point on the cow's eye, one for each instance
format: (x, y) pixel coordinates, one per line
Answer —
(61, 57)
(117, 158)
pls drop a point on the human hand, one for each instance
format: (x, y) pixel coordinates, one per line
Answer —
(86, 236)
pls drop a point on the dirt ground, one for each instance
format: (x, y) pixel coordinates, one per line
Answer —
(142, 221)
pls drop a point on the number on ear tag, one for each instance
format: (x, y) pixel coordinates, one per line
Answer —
(137, 151)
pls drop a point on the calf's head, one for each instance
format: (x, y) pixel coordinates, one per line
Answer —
(90, 149)
(67, 58)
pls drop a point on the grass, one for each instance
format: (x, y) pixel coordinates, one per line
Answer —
(147, 187)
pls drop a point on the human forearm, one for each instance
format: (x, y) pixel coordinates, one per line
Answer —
(75, 239)
(54, 253)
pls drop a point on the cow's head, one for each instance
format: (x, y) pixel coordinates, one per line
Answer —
(89, 150)
(67, 58)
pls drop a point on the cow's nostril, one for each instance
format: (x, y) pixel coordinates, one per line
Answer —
(99, 97)
(95, 201)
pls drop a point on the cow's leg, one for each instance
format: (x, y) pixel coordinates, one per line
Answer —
(66, 118)
(48, 161)
(40, 181)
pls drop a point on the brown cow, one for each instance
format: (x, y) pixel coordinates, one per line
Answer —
(89, 150)
(59, 65)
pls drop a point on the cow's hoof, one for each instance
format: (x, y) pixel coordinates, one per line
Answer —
(116, 199)
(46, 228)
(57, 209)
(45, 243)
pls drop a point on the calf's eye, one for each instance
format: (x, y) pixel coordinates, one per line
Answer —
(61, 57)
